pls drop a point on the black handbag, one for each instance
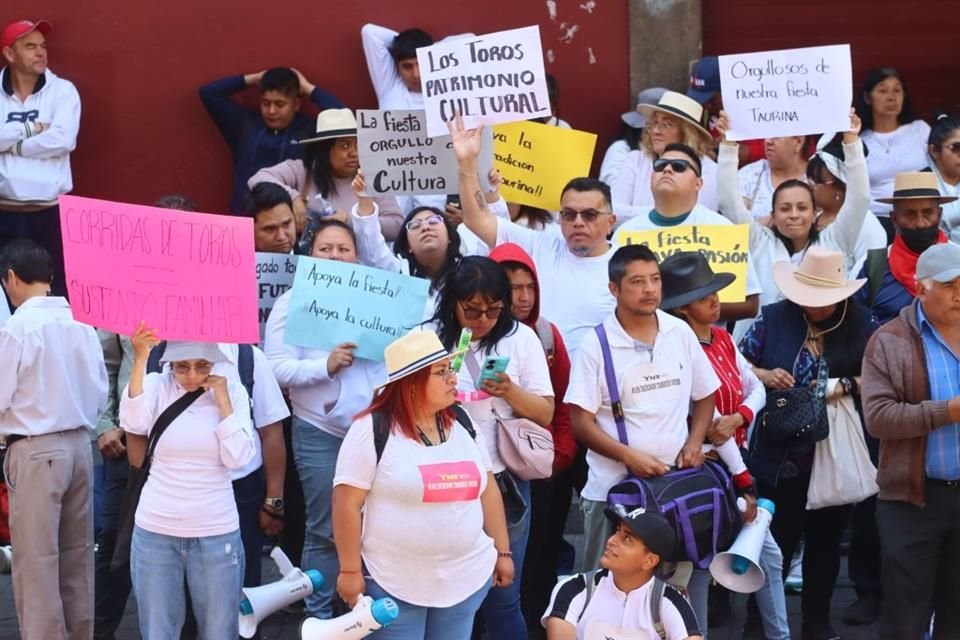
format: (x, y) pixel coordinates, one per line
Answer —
(138, 478)
(797, 415)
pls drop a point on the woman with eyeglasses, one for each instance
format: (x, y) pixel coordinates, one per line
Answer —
(327, 389)
(944, 148)
(793, 221)
(477, 295)
(674, 119)
(320, 184)
(186, 525)
(896, 138)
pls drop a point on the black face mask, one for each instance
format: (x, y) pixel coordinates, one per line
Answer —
(919, 240)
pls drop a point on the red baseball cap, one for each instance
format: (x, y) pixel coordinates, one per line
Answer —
(16, 30)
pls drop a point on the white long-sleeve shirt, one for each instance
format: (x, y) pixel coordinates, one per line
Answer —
(52, 376)
(328, 403)
(189, 493)
(35, 168)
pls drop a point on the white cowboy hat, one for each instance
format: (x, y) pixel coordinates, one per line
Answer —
(818, 281)
(333, 123)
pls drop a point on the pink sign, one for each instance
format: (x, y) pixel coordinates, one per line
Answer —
(450, 481)
(191, 276)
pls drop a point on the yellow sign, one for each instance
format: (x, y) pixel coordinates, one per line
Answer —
(538, 160)
(725, 247)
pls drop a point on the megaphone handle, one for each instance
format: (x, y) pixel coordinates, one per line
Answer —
(282, 561)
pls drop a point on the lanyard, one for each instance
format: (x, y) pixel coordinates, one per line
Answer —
(426, 441)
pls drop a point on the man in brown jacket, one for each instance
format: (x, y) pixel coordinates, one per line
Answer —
(911, 401)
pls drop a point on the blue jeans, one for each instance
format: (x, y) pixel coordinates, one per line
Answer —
(501, 607)
(315, 454)
(770, 598)
(213, 569)
(429, 623)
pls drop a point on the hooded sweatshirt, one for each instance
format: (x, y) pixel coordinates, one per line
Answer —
(564, 444)
(252, 144)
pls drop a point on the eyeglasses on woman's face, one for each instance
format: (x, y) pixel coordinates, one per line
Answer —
(474, 313)
(202, 367)
(430, 221)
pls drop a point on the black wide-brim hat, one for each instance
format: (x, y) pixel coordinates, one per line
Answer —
(687, 277)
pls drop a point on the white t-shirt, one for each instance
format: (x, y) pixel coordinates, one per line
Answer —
(527, 369)
(698, 215)
(613, 160)
(613, 614)
(189, 493)
(655, 388)
(891, 153)
(422, 538)
(631, 192)
(562, 275)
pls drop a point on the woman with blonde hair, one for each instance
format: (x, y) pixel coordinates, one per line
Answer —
(675, 118)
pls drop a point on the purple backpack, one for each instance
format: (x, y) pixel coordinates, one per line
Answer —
(700, 504)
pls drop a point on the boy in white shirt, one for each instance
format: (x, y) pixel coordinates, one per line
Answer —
(624, 599)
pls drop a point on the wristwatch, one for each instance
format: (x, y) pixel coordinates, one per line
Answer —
(275, 503)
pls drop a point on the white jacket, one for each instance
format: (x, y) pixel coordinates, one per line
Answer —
(35, 168)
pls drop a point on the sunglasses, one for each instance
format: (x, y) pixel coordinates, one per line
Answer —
(183, 368)
(588, 215)
(954, 148)
(677, 165)
(430, 221)
(472, 313)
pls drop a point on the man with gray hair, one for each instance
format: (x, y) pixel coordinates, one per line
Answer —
(911, 402)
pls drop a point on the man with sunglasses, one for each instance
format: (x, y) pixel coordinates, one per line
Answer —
(676, 184)
(572, 267)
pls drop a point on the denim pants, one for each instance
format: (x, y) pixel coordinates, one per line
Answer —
(249, 493)
(430, 623)
(501, 608)
(112, 588)
(770, 598)
(315, 453)
(213, 569)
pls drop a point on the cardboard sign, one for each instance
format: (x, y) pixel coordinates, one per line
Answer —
(536, 161)
(275, 273)
(336, 302)
(724, 246)
(398, 157)
(489, 79)
(792, 92)
(190, 276)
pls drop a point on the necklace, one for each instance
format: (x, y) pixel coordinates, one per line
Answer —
(814, 335)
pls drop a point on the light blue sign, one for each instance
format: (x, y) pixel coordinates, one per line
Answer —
(335, 302)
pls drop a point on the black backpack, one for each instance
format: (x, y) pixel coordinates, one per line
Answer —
(381, 429)
(244, 366)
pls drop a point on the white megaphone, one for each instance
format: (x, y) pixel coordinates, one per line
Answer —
(259, 602)
(738, 568)
(368, 616)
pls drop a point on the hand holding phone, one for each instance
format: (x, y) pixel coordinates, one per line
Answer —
(492, 366)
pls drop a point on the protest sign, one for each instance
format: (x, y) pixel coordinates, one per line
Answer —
(489, 79)
(536, 161)
(275, 273)
(190, 276)
(792, 92)
(724, 246)
(335, 302)
(398, 157)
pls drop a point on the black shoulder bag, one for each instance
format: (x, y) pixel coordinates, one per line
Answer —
(138, 478)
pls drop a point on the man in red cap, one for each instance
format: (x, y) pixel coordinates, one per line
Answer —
(39, 120)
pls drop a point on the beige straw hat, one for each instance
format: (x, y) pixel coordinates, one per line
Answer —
(820, 280)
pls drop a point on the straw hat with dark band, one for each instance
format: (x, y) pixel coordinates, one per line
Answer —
(914, 185)
(678, 106)
(413, 352)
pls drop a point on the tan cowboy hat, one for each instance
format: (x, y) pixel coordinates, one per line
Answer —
(819, 281)
(412, 352)
(912, 185)
(333, 123)
(678, 106)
